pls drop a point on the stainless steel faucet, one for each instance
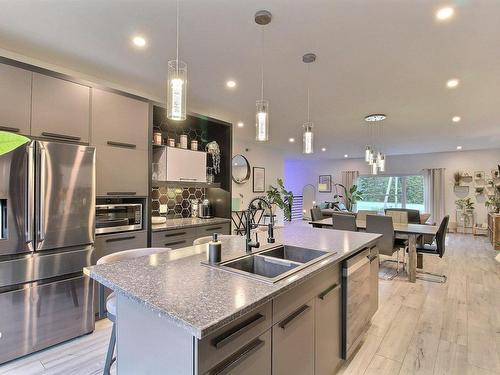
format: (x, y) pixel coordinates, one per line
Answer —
(270, 227)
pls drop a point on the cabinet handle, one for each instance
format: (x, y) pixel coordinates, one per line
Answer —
(120, 239)
(230, 364)
(174, 243)
(237, 331)
(9, 129)
(121, 144)
(121, 193)
(61, 136)
(212, 228)
(301, 310)
(187, 179)
(175, 234)
(327, 291)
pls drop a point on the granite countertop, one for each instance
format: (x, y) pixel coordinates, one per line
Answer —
(202, 299)
(186, 222)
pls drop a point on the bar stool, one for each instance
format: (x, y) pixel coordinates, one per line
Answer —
(111, 300)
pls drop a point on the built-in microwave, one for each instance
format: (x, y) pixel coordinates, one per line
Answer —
(115, 218)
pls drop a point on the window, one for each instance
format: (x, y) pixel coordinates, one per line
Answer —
(380, 192)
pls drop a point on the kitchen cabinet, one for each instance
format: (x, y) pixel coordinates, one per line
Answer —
(328, 331)
(60, 109)
(182, 237)
(186, 165)
(494, 229)
(15, 106)
(293, 342)
(121, 170)
(119, 119)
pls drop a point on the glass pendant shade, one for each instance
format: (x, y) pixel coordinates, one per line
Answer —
(374, 168)
(262, 121)
(381, 163)
(176, 90)
(368, 153)
(308, 139)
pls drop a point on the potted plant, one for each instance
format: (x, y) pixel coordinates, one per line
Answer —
(351, 196)
(281, 198)
(465, 204)
(457, 177)
(493, 203)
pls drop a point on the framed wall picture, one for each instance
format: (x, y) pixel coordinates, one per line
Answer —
(259, 179)
(479, 175)
(325, 183)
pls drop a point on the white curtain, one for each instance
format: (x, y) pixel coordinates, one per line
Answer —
(434, 188)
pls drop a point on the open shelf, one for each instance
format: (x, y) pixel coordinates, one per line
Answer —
(157, 183)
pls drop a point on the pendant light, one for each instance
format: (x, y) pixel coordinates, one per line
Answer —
(373, 156)
(176, 83)
(308, 136)
(262, 17)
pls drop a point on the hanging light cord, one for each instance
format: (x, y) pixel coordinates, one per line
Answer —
(177, 42)
(262, 65)
(308, 95)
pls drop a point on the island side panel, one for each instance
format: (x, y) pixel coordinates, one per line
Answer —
(149, 344)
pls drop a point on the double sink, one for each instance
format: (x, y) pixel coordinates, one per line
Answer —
(274, 264)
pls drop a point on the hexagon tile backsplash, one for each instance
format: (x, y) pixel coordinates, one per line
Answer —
(177, 200)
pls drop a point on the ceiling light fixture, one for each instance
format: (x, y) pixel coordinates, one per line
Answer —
(452, 83)
(291, 140)
(459, 148)
(445, 13)
(346, 156)
(323, 149)
(308, 135)
(231, 84)
(456, 119)
(262, 17)
(375, 117)
(139, 41)
(240, 124)
(176, 83)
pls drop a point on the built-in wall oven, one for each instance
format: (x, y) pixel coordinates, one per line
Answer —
(118, 217)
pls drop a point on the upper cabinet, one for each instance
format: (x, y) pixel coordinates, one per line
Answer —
(15, 94)
(119, 119)
(60, 109)
(186, 165)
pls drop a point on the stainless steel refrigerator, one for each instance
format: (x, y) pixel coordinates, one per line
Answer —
(47, 205)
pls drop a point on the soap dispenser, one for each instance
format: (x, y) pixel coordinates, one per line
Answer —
(214, 250)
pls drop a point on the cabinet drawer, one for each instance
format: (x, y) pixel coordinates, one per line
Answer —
(121, 171)
(111, 243)
(288, 302)
(173, 243)
(60, 109)
(173, 236)
(117, 118)
(207, 230)
(15, 106)
(218, 346)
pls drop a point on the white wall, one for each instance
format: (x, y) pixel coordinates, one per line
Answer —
(259, 156)
(298, 173)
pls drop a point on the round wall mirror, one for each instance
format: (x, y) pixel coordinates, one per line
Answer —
(240, 169)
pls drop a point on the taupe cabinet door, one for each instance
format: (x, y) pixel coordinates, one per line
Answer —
(60, 109)
(293, 342)
(328, 330)
(117, 118)
(121, 171)
(15, 99)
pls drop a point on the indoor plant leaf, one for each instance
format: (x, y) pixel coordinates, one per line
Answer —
(10, 141)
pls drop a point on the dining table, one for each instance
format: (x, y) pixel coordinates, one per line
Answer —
(413, 231)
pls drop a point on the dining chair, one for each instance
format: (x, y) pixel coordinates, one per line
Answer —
(111, 300)
(413, 215)
(344, 222)
(316, 214)
(388, 244)
(361, 214)
(438, 248)
(400, 217)
(207, 239)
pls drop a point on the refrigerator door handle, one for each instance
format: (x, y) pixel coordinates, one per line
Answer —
(30, 195)
(41, 215)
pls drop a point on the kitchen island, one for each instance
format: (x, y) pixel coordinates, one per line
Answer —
(178, 316)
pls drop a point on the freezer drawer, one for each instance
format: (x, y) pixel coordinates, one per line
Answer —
(42, 315)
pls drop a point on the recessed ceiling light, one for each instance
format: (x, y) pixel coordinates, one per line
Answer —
(323, 149)
(452, 83)
(240, 124)
(139, 41)
(375, 117)
(445, 13)
(459, 148)
(456, 119)
(291, 140)
(346, 156)
(231, 84)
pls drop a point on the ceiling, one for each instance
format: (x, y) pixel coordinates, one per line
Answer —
(381, 56)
